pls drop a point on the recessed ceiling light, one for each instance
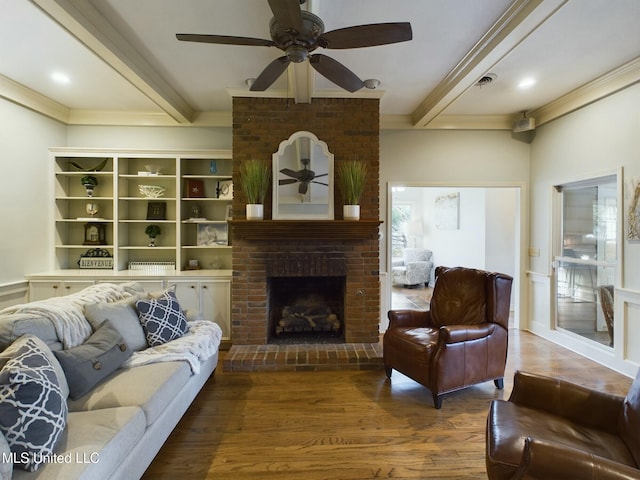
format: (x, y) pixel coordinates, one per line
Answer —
(527, 82)
(61, 78)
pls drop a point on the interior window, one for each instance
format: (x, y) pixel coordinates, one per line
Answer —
(586, 261)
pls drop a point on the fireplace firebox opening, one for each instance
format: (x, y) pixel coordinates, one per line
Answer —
(306, 309)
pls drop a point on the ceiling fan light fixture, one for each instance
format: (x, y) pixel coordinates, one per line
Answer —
(372, 83)
(297, 53)
(249, 81)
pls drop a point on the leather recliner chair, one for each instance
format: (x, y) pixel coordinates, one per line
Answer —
(554, 429)
(461, 340)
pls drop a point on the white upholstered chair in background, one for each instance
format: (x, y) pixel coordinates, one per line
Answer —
(414, 269)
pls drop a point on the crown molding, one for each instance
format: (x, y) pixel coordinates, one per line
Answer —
(612, 82)
(609, 83)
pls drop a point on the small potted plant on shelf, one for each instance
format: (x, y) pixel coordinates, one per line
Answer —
(255, 177)
(351, 178)
(152, 232)
(90, 183)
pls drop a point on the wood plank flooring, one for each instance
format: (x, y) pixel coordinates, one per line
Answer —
(350, 425)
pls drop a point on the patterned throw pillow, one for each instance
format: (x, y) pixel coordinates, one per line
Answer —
(162, 319)
(33, 411)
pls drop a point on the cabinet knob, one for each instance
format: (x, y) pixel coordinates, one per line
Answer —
(55, 286)
(204, 286)
(67, 287)
(192, 286)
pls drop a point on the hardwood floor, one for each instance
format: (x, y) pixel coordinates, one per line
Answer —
(348, 425)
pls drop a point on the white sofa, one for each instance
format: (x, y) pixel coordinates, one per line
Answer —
(114, 430)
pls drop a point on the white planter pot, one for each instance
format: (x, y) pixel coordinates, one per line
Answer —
(255, 211)
(351, 212)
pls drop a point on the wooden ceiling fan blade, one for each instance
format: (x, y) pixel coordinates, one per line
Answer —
(367, 35)
(292, 173)
(224, 40)
(336, 72)
(287, 181)
(270, 74)
(287, 13)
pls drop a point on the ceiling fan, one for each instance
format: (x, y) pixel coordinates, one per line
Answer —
(298, 33)
(304, 176)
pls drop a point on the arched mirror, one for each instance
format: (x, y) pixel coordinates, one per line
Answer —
(303, 179)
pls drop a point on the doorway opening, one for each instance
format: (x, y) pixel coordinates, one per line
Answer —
(475, 227)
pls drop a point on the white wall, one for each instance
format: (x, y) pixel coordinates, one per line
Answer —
(167, 138)
(501, 230)
(449, 158)
(595, 140)
(25, 197)
(464, 246)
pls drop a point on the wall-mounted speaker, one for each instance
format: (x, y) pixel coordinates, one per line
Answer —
(523, 125)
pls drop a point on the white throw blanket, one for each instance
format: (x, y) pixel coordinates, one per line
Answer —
(194, 347)
(67, 313)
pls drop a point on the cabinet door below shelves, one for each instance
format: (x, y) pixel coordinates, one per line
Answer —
(211, 298)
(41, 290)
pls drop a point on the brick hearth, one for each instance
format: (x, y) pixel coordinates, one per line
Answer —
(303, 357)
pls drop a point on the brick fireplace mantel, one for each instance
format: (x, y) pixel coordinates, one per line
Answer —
(305, 229)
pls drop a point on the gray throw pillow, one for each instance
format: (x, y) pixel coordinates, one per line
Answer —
(87, 364)
(123, 315)
(162, 319)
(33, 411)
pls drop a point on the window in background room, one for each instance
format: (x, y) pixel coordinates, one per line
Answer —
(400, 215)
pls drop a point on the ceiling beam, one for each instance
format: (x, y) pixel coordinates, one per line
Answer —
(85, 23)
(521, 19)
(19, 94)
(301, 81)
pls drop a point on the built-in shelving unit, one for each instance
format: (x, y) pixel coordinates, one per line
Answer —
(192, 211)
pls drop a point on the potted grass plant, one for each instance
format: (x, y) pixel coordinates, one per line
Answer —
(352, 176)
(255, 177)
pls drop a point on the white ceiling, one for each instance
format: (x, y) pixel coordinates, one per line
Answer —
(125, 65)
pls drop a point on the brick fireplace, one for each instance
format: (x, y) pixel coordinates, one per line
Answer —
(350, 129)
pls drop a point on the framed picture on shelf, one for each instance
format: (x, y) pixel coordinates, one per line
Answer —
(225, 189)
(212, 234)
(157, 211)
(195, 188)
(228, 214)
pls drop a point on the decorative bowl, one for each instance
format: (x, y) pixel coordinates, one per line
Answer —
(153, 169)
(151, 191)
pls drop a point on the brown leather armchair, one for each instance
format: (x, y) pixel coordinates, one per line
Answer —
(553, 429)
(460, 341)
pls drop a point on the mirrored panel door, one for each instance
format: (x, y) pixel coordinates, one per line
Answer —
(586, 263)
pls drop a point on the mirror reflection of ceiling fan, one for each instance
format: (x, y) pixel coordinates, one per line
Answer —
(304, 176)
(298, 33)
